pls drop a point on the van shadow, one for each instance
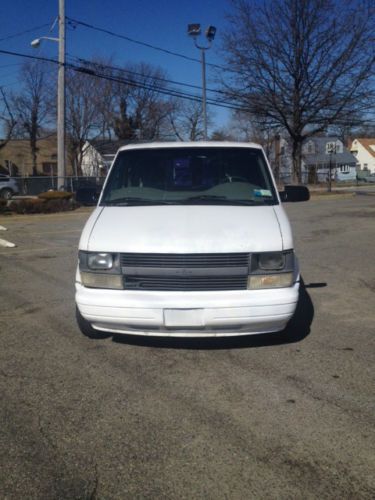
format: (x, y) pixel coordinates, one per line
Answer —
(297, 329)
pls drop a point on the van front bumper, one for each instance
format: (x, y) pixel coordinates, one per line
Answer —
(187, 314)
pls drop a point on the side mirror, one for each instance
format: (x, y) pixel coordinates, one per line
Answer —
(295, 193)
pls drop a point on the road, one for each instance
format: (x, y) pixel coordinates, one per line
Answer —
(254, 418)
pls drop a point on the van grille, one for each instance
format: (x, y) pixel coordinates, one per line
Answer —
(182, 284)
(200, 260)
(185, 272)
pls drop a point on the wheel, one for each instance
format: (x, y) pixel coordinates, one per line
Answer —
(87, 329)
(6, 194)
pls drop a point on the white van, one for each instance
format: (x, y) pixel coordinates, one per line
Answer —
(190, 240)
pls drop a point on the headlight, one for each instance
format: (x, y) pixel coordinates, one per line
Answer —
(100, 270)
(271, 261)
(100, 261)
(271, 270)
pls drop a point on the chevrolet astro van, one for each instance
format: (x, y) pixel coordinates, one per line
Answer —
(190, 240)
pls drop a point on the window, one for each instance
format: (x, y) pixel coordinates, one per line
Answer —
(344, 169)
(330, 147)
(181, 175)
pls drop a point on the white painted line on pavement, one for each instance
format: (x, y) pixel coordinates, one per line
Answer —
(5, 243)
(2, 228)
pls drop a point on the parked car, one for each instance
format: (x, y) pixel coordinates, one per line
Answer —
(8, 187)
(189, 240)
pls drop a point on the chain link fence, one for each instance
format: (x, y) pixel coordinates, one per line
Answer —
(35, 185)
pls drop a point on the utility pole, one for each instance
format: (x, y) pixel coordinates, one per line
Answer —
(61, 100)
(60, 94)
(204, 100)
(194, 30)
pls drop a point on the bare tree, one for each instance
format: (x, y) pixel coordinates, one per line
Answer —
(7, 119)
(222, 134)
(186, 120)
(302, 65)
(82, 117)
(140, 109)
(31, 104)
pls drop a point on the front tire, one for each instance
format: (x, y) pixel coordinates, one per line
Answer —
(87, 329)
(6, 194)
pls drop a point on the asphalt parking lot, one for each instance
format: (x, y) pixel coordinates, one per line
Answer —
(252, 418)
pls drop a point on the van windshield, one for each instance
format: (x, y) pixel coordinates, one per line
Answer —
(182, 176)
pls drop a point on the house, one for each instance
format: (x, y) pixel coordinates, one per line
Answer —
(319, 156)
(16, 159)
(97, 156)
(364, 151)
(280, 157)
(324, 154)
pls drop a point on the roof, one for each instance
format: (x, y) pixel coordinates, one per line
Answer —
(197, 144)
(107, 147)
(366, 143)
(321, 156)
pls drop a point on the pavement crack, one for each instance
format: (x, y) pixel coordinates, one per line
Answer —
(93, 494)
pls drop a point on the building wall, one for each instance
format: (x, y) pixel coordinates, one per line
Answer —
(16, 157)
(92, 161)
(363, 156)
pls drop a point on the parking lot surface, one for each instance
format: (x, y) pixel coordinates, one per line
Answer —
(278, 416)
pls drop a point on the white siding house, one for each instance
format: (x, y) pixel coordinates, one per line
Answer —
(97, 156)
(324, 154)
(319, 156)
(364, 151)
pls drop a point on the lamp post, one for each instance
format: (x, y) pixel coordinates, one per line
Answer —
(60, 95)
(332, 148)
(194, 30)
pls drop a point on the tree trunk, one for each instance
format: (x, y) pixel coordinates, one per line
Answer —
(33, 148)
(297, 160)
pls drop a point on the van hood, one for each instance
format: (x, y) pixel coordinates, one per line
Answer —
(184, 229)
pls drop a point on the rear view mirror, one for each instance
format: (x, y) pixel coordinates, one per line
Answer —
(295, 193)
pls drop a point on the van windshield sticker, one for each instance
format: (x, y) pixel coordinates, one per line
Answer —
(263, 192)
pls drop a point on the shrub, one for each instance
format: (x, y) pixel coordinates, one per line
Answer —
(27, 206)
(58, 205)
(55, 195)
(3, 205)
(40, 206)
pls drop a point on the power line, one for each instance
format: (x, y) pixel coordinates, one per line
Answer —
(24, 32)
(28, 56)
(131, 72)
(164, 91)
(138, 42)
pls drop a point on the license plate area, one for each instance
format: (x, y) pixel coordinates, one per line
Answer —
(183, 317)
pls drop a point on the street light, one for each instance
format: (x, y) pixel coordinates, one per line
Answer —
(60, 94)
(36, 43)
(194, 31)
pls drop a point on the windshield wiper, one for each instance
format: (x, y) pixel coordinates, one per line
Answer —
(219, 200)
(133, 200)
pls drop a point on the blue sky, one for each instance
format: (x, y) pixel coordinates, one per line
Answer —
(162, 23)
